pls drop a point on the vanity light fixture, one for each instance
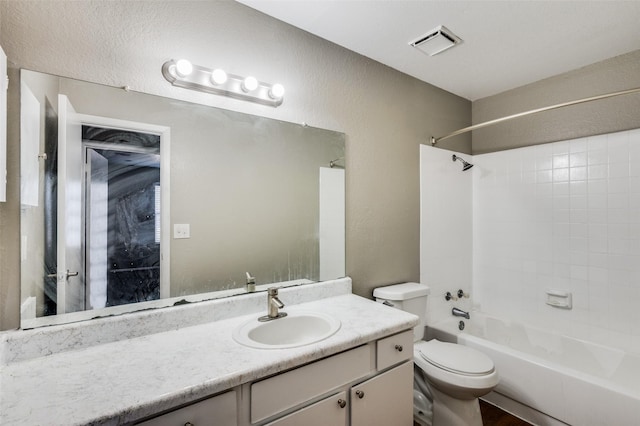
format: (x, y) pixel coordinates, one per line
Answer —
(182, 73)
(277, 91)
(249, 84)
(184, 68)
(218, 76)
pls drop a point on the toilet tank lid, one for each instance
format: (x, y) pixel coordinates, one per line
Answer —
(402, 291)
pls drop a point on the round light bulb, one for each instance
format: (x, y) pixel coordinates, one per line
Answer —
(218, 76)
(249, 84)
(183, 68)
(276, 91)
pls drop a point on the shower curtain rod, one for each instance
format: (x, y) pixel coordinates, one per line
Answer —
(533, 111)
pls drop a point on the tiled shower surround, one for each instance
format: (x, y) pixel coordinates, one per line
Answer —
(563, 216)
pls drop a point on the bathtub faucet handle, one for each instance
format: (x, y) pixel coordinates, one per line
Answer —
(462, 294)
(448, 296)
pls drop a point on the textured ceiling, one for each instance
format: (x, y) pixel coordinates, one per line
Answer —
(506, 44)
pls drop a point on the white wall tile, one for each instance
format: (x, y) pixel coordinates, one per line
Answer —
(597, 142)
(560, 147)
(578, 159)
(578, 145)
(572, 221)
(561, 215)
(617, 185)
(598, 171)
(560, 174)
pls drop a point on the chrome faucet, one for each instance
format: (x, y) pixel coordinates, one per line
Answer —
(273, 304)
(459, 313)
(251, 283)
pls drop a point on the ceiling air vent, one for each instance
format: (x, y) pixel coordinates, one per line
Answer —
(437, 40)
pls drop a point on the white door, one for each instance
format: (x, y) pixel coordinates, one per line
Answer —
(70, 269)
(97, 228)
(165, 167)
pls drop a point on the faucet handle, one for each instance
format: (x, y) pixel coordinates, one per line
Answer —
(250, 279)
(273, 291)
(448, 296)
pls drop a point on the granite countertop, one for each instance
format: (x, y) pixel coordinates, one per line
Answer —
(123, 381)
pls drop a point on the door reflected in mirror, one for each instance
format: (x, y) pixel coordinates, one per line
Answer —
(123, 215)
(131, 200)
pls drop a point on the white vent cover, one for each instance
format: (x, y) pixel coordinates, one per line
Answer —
(437, 40)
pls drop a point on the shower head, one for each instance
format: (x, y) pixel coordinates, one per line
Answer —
(465, 166)
(333, 163)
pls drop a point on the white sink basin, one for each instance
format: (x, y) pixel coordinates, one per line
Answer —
(296, 329)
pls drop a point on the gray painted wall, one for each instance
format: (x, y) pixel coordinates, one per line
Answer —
(605, 116)
(385, 114)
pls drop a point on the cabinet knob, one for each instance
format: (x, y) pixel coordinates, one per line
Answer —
(342, 403)
(360, 394)
(399, 348)
(189, 424)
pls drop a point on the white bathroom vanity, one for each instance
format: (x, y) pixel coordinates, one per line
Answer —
(131, 369)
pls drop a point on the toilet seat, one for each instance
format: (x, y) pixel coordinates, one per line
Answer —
(455, 358)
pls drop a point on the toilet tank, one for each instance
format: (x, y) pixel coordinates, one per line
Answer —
(409, 297)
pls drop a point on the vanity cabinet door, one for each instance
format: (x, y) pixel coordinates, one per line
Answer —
(219, 410)
(332, 411)
(386, 399)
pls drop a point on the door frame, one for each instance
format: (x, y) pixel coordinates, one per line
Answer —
(165, 168)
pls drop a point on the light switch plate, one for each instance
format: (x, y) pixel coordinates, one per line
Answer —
(181, 230)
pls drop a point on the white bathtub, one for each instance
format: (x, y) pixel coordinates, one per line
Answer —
(550, 379)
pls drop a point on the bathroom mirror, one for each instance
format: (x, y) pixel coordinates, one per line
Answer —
(130, 201)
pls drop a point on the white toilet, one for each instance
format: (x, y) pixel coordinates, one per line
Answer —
(456, 375)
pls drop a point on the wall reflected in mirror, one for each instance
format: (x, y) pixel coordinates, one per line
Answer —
(130, 200)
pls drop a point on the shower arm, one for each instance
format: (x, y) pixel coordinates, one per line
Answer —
(332, 163)
(530, 112)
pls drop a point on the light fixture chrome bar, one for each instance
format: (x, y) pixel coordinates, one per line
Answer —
(200, 79)
(533, 111)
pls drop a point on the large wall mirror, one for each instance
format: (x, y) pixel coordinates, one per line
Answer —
(130, 201)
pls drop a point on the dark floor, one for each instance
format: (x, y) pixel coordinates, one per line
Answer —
(494, 416)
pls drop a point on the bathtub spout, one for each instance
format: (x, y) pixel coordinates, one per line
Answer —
(459, 313)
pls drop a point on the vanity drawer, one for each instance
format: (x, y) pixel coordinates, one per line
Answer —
(394, 349)
(330, 411)
(278, 393)
(219, 410)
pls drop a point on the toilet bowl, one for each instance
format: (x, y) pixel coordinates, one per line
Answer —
(449, 376)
